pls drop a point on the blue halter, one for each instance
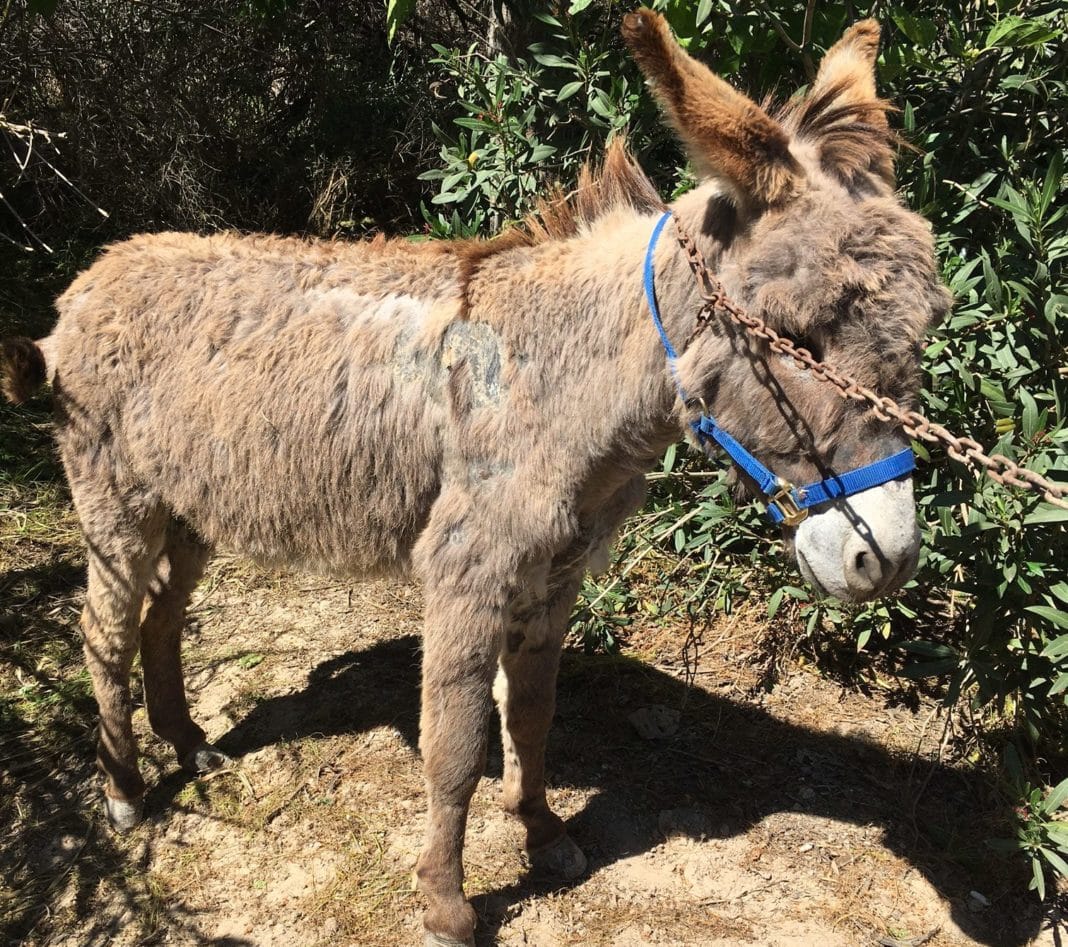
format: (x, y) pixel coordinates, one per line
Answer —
(786, 503)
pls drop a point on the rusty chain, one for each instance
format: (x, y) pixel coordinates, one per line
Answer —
(998, 467)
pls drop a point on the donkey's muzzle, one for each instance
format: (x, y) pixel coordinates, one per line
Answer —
(861, 547)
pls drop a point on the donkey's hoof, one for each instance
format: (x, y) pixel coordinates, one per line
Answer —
(438, 940)
(124, 814)
(562, 857)
(205, 759)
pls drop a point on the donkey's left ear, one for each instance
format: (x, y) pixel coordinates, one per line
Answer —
(844, 115)
(727, 135)
(847, 72)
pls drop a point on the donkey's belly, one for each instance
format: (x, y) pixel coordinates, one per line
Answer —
(328, 525)
(283, 480)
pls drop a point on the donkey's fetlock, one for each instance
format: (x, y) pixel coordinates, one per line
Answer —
(205, 758)
(124, 814)
(562, 858)
(449, 922)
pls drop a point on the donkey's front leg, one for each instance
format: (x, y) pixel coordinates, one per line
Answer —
(462, 639)
(525, 691)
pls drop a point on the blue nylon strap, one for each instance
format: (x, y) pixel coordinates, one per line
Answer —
(765, 479)
(840, 485)
(863, 478)
(650, 294)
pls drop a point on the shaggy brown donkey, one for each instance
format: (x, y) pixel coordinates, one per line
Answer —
(480, 415)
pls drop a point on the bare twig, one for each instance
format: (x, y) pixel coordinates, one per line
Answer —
(802, 48)
(25, 226)
(908, 941)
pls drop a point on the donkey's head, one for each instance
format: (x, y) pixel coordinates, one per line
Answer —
(796, 213)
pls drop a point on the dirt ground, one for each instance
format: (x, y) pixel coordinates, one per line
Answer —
(717, 812)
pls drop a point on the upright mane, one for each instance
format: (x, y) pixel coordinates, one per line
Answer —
(617, 182)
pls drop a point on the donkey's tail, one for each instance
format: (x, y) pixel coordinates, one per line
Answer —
(22, 368)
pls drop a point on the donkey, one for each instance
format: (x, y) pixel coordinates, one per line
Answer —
(480, 415)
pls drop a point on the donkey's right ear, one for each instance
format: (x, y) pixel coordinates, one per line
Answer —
(727, 135)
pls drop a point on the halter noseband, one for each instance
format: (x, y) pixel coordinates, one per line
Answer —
(786, 503)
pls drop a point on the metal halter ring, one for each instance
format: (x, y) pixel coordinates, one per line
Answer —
(783, 500)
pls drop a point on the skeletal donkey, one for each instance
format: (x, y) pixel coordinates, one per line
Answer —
(480, 414)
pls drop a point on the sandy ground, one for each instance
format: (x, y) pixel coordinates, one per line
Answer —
(717, 812)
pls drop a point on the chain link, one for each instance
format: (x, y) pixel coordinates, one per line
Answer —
(964, 449)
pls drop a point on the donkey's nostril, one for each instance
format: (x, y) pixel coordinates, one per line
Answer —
(864, 569)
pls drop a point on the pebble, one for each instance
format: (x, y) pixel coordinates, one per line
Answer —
(655, 722)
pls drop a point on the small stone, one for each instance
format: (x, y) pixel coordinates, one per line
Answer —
(807, 847)
(978, 900)
(691, 823)
(655, 722)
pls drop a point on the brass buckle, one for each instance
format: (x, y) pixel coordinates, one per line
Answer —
(785, 503)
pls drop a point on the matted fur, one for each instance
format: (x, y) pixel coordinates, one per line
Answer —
(478, 415)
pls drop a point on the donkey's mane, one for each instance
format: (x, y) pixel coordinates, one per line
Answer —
(617, 182)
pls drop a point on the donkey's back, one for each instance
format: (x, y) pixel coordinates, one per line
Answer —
(280, 396)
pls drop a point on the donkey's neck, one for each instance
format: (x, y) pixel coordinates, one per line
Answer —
(655, 399)
(577, 309)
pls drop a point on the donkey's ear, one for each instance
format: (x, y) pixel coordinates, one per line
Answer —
(843, 113)
(847, 72)
(727, 135)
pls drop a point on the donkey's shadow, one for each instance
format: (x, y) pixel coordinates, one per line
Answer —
(731, 763)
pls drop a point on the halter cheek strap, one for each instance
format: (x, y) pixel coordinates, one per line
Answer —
(785, 502)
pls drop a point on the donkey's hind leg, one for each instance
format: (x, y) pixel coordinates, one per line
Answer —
(178, 569)
(525, 691)
(124, 531)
